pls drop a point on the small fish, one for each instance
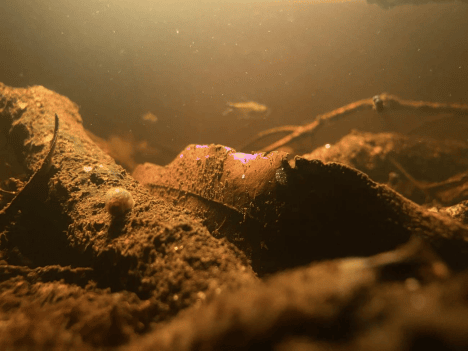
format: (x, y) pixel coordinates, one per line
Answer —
(247, 109)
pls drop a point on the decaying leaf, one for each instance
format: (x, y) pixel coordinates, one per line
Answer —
(284, 216)
(236, 193)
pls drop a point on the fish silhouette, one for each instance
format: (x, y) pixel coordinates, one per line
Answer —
(247, 110)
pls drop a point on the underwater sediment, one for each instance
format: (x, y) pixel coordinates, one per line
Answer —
(222, 249)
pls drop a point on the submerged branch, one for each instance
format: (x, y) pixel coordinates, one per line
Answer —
(384, 102)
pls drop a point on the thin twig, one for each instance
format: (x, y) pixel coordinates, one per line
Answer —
(384, 102)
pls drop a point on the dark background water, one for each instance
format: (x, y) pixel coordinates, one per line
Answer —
(184, 60)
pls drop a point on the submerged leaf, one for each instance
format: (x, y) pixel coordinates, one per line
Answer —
(236, 193)
(284, 216)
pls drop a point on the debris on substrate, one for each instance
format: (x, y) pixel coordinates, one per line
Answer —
(223, 250)
(425, 170)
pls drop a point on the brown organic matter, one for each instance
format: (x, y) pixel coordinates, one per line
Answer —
(311, 211)
(184, 269)
(423, 169)
(159, 254)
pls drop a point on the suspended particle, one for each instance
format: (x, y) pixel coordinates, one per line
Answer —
(281, 176)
